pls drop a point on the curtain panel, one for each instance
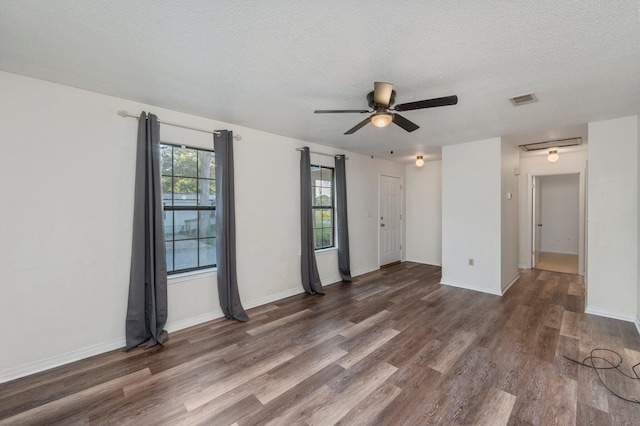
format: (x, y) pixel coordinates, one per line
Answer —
(344, 265)
(226, 228)
(309, 268)
(147, 306)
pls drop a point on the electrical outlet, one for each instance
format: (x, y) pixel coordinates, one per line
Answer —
(470, 262)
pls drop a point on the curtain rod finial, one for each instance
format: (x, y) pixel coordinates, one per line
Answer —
(237, 137)
(123, 113)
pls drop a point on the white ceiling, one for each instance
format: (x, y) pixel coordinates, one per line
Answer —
(269, 65)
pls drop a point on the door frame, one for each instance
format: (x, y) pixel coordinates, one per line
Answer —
(582, 213)
(535, 229)
(402, 221)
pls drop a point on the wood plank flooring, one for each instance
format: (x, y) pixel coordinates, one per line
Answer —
(557, 262)
(392, 348)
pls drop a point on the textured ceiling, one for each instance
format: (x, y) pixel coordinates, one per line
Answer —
(268, 65)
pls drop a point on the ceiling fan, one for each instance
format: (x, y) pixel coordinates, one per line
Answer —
(380, 101)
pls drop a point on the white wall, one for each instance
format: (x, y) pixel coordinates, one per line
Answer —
(65, 244)
(612, 276)
(510, 160)
(536, 164)
(424, 213)
(471, 211)
(559, 199)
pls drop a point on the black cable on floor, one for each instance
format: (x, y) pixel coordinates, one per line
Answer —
(608, 366)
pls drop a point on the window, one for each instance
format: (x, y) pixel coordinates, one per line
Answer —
(322, 205)
(189, 197)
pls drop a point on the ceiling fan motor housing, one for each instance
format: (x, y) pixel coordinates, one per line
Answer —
(372, 103)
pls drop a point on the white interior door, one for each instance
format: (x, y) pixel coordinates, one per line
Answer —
(390, 220)
(537, 223)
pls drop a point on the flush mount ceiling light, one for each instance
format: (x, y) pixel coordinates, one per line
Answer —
(419, 161)
(553, 155)
(381, 119)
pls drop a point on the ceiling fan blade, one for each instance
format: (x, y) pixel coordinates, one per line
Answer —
(428, 103)
(382, 93)
(408, 125)
(339, 111)
(358, 126)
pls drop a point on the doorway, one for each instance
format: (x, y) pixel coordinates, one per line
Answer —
(390, 229)
(556, 225)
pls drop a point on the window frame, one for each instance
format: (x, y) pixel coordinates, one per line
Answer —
(195, 208)
(332, 207)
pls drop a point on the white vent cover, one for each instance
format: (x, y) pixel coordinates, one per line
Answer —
(551, 144)
(528, 98)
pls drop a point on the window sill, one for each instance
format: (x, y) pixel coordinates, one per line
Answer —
(326, 250)
(191, 275)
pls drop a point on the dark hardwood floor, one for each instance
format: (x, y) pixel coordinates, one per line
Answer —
(392, 348)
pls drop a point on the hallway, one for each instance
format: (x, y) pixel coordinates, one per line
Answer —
(557, 262)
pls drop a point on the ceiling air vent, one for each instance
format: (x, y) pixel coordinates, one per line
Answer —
(551, 144)
(529, 98)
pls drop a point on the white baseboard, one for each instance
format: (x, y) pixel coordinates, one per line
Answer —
(365, 270)
(608, 314)
(510, 283)
(210, 316)
(76, 355)
(471, 287)
(190, 322)
(332, 280)
(524, 266)
(336, 279)
(637, 323)
(424, 262)
(559, 252)
(58, 360)
(273, 298)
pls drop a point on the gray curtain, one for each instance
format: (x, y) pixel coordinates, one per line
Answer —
(309, 268)
(147, 308)
(344, 264)
(226, 228)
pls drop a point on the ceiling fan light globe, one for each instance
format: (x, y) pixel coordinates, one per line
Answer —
(381, 119)
(419, 161)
